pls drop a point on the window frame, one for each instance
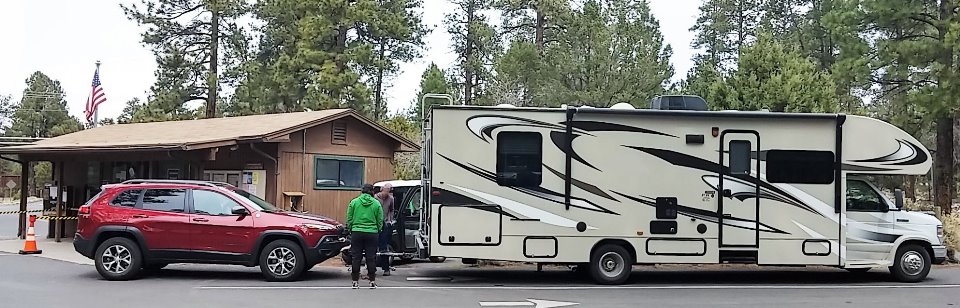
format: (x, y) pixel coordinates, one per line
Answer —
(363, 171)
(885, 206)
(498, 154)
(193, 205)
(779, 179)
(186, 198)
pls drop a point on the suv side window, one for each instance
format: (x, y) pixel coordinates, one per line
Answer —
(862, 198)
(207, 202)
(127, 198)
(166, 200)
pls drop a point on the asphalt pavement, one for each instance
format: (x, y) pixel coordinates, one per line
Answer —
(32, 281)
(8, 222)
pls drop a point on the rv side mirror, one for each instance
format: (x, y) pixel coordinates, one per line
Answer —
(898, 198)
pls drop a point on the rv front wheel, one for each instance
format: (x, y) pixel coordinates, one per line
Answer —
(912, 264)
(610, 264)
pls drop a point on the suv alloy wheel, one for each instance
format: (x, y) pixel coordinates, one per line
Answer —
(118, 258)
(282, 260)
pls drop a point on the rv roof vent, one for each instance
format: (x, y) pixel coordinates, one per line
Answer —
(622, 106)
(507, 105)
(679, 102)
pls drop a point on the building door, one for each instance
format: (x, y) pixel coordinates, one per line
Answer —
(738, 178)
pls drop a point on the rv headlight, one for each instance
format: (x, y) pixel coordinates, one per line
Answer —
(940, 234)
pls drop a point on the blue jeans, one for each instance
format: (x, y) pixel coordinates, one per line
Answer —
(382, 245)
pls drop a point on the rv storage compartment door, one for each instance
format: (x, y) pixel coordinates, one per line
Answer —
(469, 225)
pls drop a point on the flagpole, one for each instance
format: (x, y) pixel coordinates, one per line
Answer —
(96, 111)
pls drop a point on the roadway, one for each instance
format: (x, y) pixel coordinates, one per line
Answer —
(32, 281)
(8, 222)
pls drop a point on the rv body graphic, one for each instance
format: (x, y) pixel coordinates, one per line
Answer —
(609, 188)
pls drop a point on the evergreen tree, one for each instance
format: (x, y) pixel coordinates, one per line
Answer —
(474, 42)
(197, 43)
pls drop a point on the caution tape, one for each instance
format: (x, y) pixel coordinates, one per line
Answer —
(57, 217)
(20, 212)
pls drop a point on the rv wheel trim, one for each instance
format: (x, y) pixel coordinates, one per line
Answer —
(612, 264)
(911, 263)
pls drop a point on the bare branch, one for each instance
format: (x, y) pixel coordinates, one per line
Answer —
(182, 13)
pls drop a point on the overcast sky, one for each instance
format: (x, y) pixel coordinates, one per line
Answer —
(64, 38)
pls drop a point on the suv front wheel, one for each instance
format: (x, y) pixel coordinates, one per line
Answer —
(118, 258)
(282, 260)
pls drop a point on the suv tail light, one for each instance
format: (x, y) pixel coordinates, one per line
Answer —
(84, 210)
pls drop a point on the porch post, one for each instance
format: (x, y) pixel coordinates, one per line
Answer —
(61, 192)
(24, 194)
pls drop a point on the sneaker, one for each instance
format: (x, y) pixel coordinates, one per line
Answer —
(373, 285)
(356, 285)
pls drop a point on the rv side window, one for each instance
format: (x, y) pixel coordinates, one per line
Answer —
(740, 157)
(519, 159)
(862, 198)
(800, 167)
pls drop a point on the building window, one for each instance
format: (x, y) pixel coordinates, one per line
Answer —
(519, 159)
(800, 167)
(740, 157)
(338, 132)
(338, 172)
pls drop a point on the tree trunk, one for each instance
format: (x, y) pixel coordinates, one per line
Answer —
(910, 189)
(468, 56)
(538, 32)
(378, 107)
(943, 182)
(213, 75)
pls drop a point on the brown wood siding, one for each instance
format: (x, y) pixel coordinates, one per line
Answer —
(362, 140)
(327, 202)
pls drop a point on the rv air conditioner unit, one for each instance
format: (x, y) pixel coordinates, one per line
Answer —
(679, 102)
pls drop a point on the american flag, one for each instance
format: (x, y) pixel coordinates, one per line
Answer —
(96, 97)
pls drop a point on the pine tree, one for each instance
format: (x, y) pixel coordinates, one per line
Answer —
(197, 43)
(474, 41)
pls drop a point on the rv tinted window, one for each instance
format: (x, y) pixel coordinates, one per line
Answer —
(740, 157)
(519, 159)
(800, 167)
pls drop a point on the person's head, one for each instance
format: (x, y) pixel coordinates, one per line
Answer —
(367, 189)
(386, 188)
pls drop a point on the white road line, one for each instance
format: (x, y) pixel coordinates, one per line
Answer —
(722, 287)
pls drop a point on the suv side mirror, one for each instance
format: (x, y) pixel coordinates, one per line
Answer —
(898, 198)
(239, 210)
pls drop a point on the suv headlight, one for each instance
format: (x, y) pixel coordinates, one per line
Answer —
(321, 227)
(940, 233)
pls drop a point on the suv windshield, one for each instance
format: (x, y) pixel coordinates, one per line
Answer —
(261, 204)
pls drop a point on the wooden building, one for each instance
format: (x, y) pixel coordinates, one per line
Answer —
(325, 156)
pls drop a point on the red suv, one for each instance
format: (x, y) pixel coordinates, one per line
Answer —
(147, 224)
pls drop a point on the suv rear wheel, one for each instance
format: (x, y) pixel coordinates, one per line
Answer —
(118, 258)
(282, 260)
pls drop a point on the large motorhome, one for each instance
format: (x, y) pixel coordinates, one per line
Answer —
(608, 188)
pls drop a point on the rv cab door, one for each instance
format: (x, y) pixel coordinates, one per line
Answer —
(738, 177)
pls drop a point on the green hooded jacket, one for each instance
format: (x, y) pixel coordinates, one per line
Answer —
(365, 214)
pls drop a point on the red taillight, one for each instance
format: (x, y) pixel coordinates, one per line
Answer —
(436, 193)
(84, 210)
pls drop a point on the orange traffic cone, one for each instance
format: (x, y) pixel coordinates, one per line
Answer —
(30, 246)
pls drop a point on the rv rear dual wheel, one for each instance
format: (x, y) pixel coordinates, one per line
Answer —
(610, 264)
(912, 264)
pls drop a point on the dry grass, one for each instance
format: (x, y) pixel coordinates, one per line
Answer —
(951, 224)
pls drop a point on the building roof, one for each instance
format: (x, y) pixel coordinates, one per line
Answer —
(196, 134)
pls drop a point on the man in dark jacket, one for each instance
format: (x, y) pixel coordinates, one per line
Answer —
(365, 221)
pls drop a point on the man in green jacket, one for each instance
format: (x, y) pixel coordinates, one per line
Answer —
(365, 220)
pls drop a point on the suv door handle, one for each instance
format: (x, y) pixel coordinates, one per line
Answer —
(140, 216)
(200, 219)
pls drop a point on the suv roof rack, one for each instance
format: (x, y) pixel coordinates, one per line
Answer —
(189, 182)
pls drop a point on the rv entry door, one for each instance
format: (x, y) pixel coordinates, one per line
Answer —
(737, 206)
